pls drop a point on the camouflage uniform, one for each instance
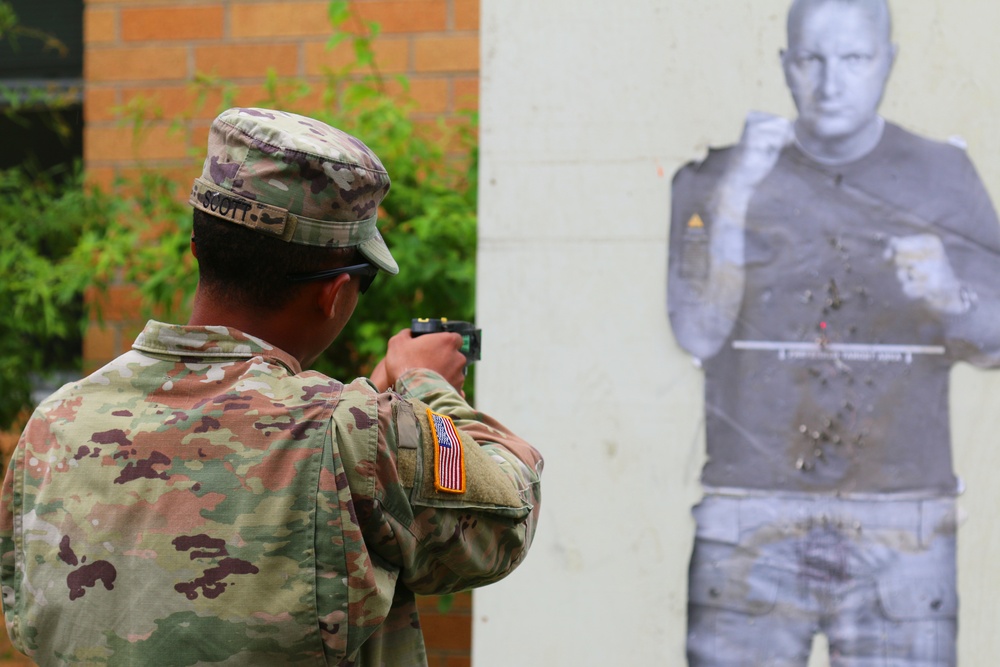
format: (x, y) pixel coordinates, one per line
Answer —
(201, 499)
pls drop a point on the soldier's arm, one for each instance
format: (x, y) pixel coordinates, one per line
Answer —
(442, 536)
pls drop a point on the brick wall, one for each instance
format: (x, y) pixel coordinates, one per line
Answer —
(143, 56)
(151, 51)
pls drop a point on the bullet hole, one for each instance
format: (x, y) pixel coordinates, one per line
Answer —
(833, 301)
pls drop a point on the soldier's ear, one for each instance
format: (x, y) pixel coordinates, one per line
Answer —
(330, 293)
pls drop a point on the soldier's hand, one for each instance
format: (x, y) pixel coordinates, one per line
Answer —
(439, 352)
(764, 137)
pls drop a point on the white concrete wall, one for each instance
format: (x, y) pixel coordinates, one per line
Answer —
(587, 109)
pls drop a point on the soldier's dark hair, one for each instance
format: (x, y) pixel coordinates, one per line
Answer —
(250, 269)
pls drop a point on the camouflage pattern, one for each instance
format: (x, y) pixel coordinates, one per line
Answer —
(294, 177)
(201, 499)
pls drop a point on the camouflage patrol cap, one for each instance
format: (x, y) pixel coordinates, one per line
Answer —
(295, 178)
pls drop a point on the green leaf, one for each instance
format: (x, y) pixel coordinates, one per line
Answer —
(337, 12)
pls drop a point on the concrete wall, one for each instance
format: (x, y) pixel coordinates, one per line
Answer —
(587, 109)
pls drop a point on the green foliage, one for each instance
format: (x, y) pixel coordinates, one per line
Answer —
(61, 241)
(50, 237)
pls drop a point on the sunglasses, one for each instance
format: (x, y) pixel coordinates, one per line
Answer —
(366, 271)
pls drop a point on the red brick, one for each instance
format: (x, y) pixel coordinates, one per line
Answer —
(466, 15)
(199, 139)
(459, 602)
(154, 142)
(446, 54)
(465, 94)
(392, 56)
(305, 19)
(427, 95)
(209, 103)
(8, 440)
(124, 2)
(279, 19)
(100, 177)
(116, 303)
(289, 96)
(136, 64)
(247, 60)
(172, 23)
(205, 104)
(457, 661)
(195, 101)
(171, 102)
(100, 343)
(404, 16)
(447, 633)
(100, 26)
(99, 103)
(312, 99)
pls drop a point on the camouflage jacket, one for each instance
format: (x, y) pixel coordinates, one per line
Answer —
(202, 500)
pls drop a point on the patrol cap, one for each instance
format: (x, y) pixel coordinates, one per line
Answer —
(295, 178)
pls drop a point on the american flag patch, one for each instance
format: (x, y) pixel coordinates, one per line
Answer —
(449, 460)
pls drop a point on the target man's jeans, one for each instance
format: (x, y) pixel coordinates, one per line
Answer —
(875, 575)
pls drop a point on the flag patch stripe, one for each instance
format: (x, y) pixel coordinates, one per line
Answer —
(449, 458)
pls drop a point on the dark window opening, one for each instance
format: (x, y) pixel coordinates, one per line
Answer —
(41, 84)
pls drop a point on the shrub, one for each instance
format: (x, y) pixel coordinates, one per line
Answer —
(59, 241)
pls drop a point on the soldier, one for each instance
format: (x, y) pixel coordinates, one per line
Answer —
(828, 272)
(203, 498)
